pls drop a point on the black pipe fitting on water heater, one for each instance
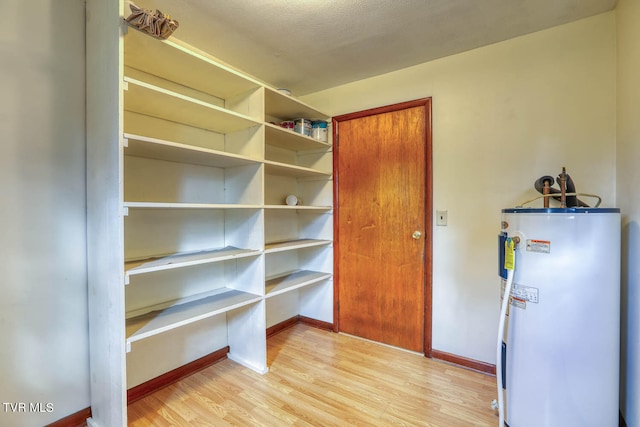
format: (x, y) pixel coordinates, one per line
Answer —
(571, 201)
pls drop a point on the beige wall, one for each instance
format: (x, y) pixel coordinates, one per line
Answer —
(43, 303)
(628, 185)
(503, 115)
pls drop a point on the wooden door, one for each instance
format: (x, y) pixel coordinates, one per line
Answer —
(383, 223)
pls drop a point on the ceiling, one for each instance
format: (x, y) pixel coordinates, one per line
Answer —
(311, 45)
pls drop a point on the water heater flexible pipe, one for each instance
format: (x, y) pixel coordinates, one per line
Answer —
(572, 200)
(501, 325)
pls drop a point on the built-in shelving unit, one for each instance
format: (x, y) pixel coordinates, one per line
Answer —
(185, 311)
(152, 148)
(154, 101)
(294, 280)
(284, 138)
(189, 66)
(196, 249)
(276, 168)
(294, 244)
(184, 259)
(286, 107)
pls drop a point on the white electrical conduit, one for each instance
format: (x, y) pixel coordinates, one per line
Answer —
(503, 319)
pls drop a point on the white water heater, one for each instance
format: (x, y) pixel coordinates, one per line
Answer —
(560, 358)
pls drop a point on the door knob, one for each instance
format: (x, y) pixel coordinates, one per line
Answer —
(416, 235)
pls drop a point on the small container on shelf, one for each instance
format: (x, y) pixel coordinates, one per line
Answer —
(287, 124)
(319, 130)
(302, 126)
(292, 200)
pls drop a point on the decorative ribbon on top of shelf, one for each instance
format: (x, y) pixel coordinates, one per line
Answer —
(156, 24)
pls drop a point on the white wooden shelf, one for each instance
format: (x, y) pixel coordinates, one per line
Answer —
(178, 62)
(153, 148)
(180, 314)
(287, 138)
(286, 107)
(298, 208)
(145, 98)
(293, 280)
(290, 245)
(185, 259)
(163, 205)
(285, 169)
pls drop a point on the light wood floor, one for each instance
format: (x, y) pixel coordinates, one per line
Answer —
(319, 378)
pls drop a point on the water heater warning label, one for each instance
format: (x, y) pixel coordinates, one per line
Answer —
(517, 302)
(520, 295)
(541, 246)
(525, 293)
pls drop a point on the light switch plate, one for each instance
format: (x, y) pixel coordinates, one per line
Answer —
(441, 217)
